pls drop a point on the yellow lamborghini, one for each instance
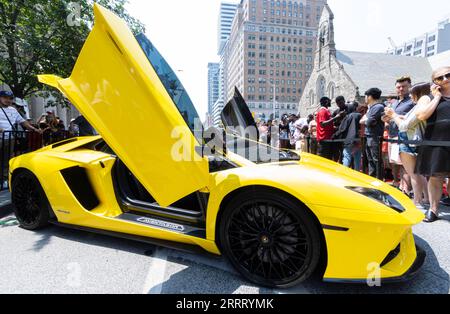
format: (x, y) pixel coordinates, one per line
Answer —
(150, 177)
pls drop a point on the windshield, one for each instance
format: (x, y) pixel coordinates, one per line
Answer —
(171, 82)
(258, 152)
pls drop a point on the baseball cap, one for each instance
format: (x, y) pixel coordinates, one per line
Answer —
(5, 93)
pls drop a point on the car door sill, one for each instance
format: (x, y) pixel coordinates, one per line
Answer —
(165, 224)
(166, 212)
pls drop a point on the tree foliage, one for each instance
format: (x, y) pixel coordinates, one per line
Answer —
(46, 36)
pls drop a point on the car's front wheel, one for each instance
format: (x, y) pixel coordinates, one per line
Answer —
(270, 239)
(31, 205)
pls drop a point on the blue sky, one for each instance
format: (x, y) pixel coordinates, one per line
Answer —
(185, 31)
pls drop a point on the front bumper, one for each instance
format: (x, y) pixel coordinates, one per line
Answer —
(413, 270)
(410, 274)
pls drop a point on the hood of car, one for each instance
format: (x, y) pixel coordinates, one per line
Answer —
(237, 118)
(324, 184)
(324, 176)
(126, 90)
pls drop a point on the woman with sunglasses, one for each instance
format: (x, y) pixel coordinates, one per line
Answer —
(434, 161)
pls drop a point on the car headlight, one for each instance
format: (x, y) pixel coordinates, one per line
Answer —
(380, 197)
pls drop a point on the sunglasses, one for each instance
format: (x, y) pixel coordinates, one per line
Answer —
(440, 79)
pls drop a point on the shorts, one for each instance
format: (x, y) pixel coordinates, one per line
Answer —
(405, 148)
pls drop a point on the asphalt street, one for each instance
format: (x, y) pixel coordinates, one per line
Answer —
(58, 260)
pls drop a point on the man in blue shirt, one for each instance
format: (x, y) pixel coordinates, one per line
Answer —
(374, 131)
(401, 106)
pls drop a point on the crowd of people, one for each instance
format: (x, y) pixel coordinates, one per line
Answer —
(404, 137)
(47, 129)
(13, 118)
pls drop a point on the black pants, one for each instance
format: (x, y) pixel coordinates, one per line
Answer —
(313, 146)
(338, 148)
(325, 150)
(373, 158)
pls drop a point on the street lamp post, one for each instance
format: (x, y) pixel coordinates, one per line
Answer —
(274, 101)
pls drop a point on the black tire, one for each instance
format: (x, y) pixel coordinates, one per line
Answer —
(31, 205)
(270, 239)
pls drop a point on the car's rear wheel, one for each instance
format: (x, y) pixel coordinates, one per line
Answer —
(31, 205)
(270, 239)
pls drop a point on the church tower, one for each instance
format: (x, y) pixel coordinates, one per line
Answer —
(328, 77)
(326, 46)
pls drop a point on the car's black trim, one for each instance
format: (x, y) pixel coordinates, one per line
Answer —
(335, 228)
(81, 187)
(392, 254)
(410, 274)
(189, 248)
(170, 212)
(158, 222)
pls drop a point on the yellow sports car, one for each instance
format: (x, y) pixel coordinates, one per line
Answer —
(150, 177)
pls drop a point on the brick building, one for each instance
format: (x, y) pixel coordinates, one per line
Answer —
(270, 53)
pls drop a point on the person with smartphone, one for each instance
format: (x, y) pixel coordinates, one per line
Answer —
(434, 159)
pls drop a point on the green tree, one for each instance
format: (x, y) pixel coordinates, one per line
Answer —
(46, 36)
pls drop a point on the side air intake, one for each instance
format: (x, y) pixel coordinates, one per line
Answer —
(78, 182)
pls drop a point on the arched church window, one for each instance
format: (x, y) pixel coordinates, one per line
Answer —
(321, 88)
(331, 90)
(311, 98)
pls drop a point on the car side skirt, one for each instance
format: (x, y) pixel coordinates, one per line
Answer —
(158, 242)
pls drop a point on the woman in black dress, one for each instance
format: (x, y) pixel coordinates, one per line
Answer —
(434, 161)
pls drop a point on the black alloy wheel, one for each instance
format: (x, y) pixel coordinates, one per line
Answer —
(31, 205)
(270, 240)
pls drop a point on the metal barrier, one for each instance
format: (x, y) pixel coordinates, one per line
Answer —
(16, 143)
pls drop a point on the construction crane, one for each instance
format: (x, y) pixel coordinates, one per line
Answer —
(392, 42)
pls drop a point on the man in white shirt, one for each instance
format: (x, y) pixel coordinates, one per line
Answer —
(9, 117)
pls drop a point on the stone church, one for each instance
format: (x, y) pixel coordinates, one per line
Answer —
(350, 73)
